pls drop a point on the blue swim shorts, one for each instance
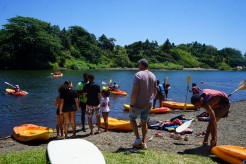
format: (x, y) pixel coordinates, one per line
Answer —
(144, 114)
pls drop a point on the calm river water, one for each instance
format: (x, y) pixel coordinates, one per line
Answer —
(38, 106)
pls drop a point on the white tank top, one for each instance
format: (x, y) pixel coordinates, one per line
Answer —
(104, 104)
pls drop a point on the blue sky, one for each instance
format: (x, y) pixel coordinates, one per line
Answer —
(221, 23)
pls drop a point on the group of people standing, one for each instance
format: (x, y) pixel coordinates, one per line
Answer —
(86, 97)
(144, 94)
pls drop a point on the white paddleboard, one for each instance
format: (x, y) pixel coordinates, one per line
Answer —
(74, 151)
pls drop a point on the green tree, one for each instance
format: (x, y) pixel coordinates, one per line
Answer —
(33, 44)
(105, 43)
(232, 57)
(166, 47)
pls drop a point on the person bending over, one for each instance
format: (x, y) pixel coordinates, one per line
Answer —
(217, 105)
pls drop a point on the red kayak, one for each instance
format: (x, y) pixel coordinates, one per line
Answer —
(12, 92)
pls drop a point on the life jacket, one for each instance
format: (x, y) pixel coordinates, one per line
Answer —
(196, 90)
(161, 89)
(210, 93)
(81, 86)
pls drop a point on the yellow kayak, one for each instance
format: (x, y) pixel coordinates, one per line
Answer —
(178, 105)
(29, 132)
(160, 110)
(117, 125)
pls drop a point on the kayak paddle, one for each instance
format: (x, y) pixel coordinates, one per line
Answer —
(9, 84)
(14, 86)
(241, 86)
(184, 126)
(188, 83)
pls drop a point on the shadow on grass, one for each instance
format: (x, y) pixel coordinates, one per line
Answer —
(47, 157)
(129, 150)
(202, 151)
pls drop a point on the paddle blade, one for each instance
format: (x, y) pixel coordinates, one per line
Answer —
(9, 84)
(242, 85)
(188, 80)
(166, 79)
(184, 126)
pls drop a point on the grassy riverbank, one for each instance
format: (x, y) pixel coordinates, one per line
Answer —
(38, 156)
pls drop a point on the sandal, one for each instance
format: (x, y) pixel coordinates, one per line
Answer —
(200, 134)
(172, 135)
(158, 134)
(99, 131)
(178, 137)
(186, 138)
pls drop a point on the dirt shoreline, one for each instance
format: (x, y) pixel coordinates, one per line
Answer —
(231, 131)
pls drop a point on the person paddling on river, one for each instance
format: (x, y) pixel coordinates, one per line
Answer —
(115, 87)
(217, 105)
(17, 88)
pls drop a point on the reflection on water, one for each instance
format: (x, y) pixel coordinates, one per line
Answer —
(38, 106)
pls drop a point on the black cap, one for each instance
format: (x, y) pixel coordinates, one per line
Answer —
(193, 84)
(144, 62)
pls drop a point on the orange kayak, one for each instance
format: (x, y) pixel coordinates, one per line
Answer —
(119, 92)
(161, 110)
(117, 125)
(178, 105)
(229, 153)
(12, 92)
(29, 132)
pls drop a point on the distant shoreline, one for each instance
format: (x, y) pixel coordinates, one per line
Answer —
(184, 69)
(199, 69)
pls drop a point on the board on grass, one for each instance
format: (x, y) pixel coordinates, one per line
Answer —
(74, 151)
